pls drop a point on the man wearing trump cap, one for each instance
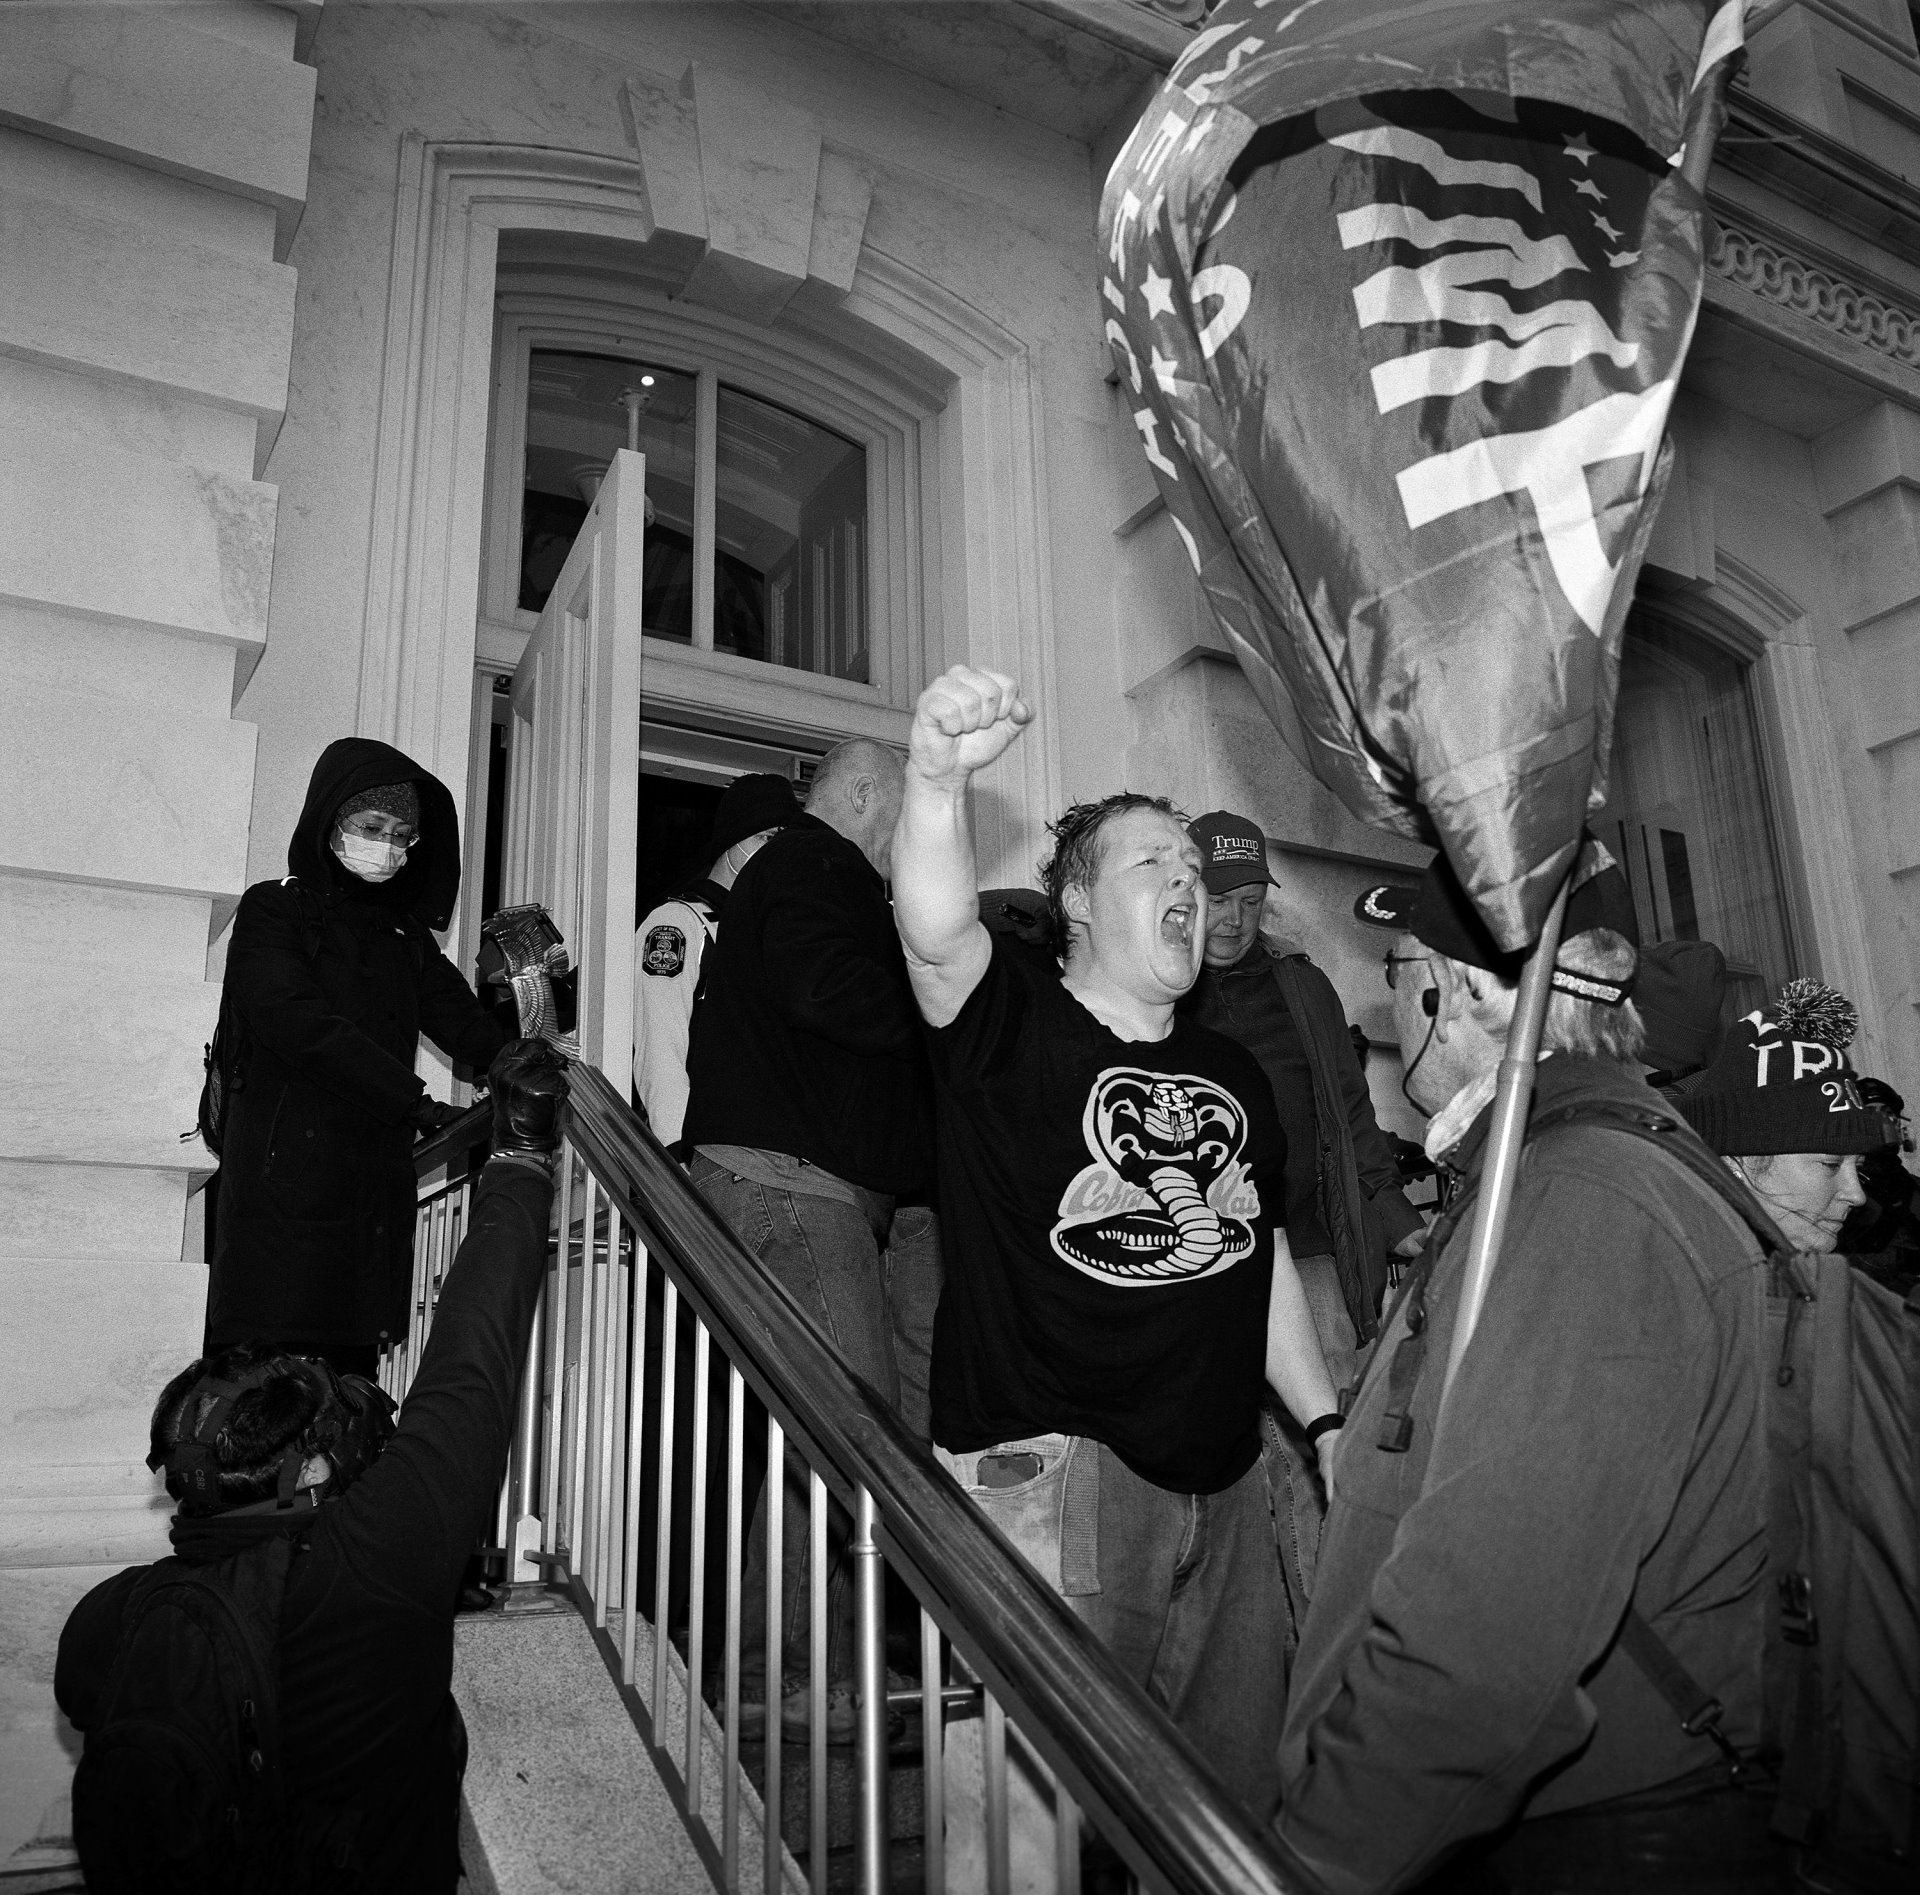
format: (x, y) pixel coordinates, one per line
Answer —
(1465, 1706)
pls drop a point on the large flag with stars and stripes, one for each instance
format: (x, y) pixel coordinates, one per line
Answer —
(1399, 295)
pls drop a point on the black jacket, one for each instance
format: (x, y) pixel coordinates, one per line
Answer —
(807, 1040)
(366, 1630)
(1365, 1211)
(334, 980)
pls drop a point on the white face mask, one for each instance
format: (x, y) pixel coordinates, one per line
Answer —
(372, 861)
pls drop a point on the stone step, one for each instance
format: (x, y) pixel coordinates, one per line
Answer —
(562, 1794)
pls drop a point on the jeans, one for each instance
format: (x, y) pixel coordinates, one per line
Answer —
(1299, 1507)
(1184, 1590)
(868, 1274)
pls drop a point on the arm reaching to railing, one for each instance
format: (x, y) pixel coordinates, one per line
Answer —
(414, 1516)
(964, 721)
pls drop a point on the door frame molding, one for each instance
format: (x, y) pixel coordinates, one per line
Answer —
(1754, 619)
(987, 591)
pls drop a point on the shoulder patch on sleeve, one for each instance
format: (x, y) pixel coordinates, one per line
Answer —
(665, 952)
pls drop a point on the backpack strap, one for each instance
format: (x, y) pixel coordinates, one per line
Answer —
(1660, 1126)
(1698, 1710)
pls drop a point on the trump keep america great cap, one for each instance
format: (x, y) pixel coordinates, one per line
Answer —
(1439, 912)
(1236, 850)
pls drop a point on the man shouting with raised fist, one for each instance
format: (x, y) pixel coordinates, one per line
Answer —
(1118, 1283)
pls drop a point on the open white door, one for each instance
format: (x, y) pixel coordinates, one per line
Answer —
(573, 783)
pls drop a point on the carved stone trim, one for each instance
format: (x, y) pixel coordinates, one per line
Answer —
(1755, 264)
(748, 205)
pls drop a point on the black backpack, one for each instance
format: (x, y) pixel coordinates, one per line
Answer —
(1841, 1661)
(180, 1786)
(226, 1053)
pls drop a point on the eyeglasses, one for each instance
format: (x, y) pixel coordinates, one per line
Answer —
(402, 835)
(1390, 960)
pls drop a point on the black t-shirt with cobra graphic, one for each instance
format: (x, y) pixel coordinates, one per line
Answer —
(1106, 1211)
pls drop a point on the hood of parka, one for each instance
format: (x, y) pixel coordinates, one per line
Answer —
(428, 884)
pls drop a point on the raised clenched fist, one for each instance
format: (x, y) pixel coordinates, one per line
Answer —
(964, 720)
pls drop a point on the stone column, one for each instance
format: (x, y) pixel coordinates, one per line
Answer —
(1868, 476)
(152, 168)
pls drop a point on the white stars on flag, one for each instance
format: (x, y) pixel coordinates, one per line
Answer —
(1163, 373)
(1474, 288)
(1158, 290)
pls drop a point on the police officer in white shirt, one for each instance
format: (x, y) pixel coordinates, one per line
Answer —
(669, 944)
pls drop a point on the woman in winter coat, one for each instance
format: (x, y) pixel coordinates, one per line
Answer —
(334, 975)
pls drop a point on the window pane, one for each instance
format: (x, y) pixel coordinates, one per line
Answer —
(790, 559)
(576, 421)
(1687, 809)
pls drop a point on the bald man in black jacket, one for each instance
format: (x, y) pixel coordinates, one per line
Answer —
(811, 1118)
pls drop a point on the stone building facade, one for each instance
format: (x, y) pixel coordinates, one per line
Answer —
(320, 323)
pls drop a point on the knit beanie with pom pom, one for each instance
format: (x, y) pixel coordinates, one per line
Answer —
(1783, 1082)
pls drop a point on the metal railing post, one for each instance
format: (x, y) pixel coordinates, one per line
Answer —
(776, 1656)
(697, 1562)
(730, 1768)
(870, 1681)
(993, 1770)
(663, 1502)
(816, 1674)
(933, 1758)
(575, 1483)
(523, 1519)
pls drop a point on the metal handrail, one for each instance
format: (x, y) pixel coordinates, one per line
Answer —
(473, 1127)
(1112, 1749)
(1096, 1728)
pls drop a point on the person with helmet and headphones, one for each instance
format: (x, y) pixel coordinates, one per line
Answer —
(266, 1450)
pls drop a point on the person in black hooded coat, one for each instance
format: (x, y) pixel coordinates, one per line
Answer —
(334, 977)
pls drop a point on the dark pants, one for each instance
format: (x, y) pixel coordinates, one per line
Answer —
(1699, 1838)
(868, 1274)
(1184, 1590)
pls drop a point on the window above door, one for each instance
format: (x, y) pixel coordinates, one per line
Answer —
(756, 515)
(782, 589)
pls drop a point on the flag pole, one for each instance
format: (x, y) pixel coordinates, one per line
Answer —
(1514, 1090)
(1512, 1095)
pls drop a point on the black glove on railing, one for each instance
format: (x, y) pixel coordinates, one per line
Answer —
(429, 1115)
(528, 1080)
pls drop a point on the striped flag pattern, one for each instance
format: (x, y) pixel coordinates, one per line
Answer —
(1399, 297)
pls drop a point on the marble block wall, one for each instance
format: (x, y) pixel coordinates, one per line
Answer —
(152, 167)
(1868, 475)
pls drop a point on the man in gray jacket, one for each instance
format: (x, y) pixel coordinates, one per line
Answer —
(1472, 1694)
(1345, 1209)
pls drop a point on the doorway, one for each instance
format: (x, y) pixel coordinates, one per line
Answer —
(676, 819)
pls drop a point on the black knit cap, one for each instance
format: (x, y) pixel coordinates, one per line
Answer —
(1441, 913)
(1782, 1083)
(398, 800)
(748, 805)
